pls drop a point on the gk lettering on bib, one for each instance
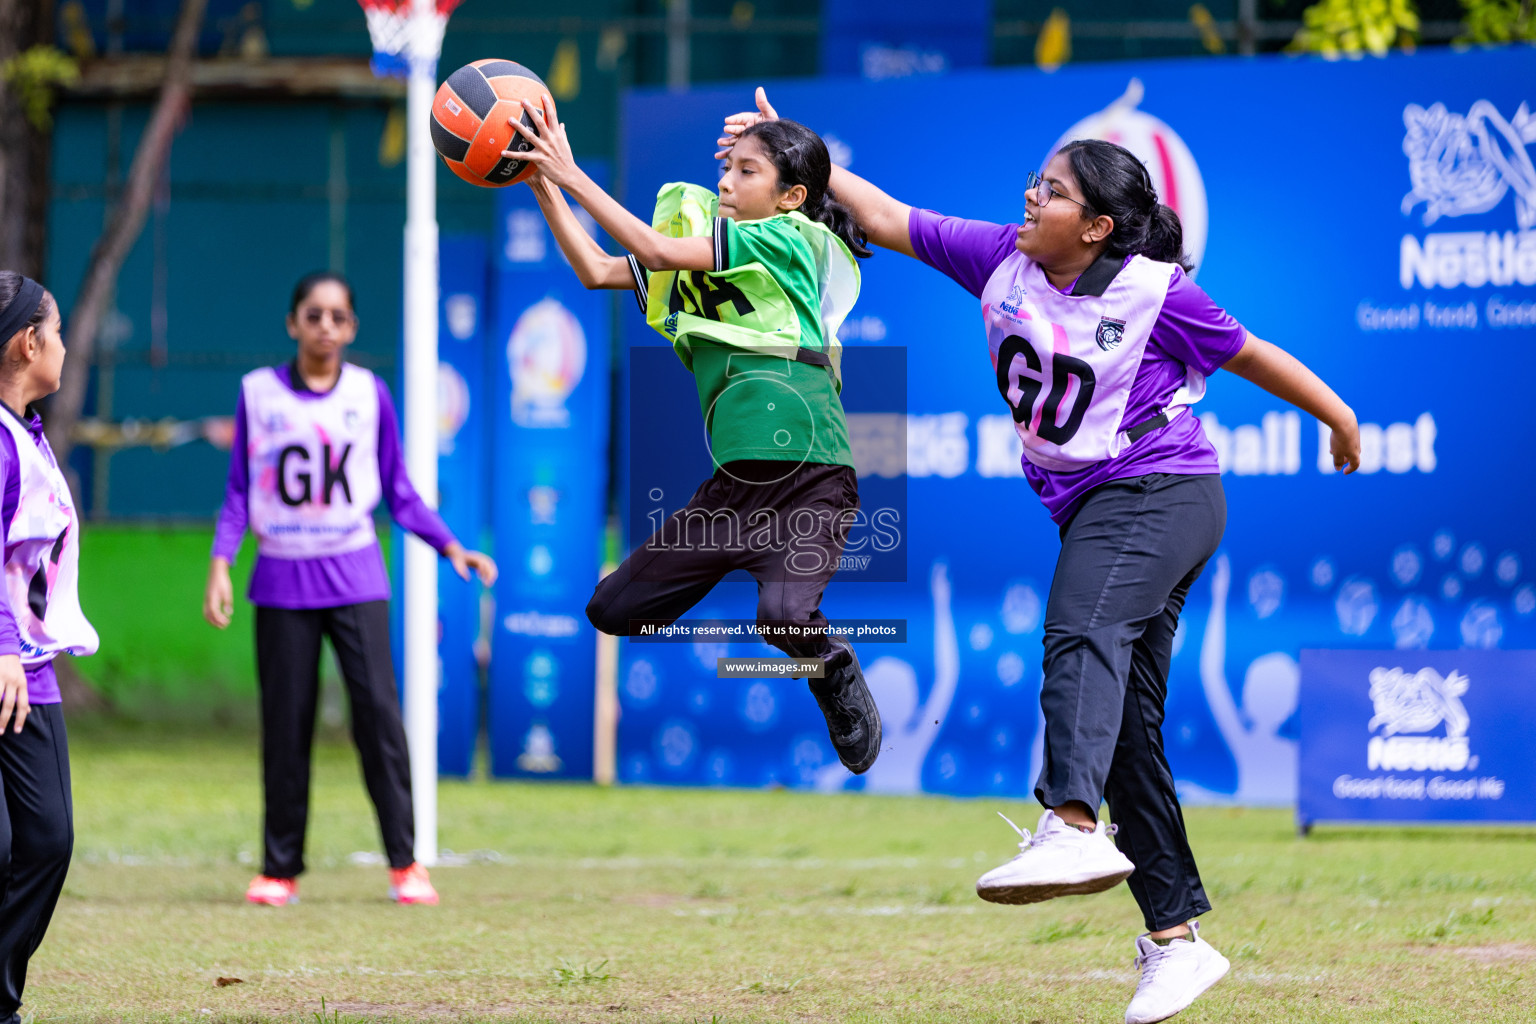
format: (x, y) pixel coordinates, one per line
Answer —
(42, 571)
(1065, 363)
(313, 464)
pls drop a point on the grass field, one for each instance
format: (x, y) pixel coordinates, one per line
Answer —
(573, 903)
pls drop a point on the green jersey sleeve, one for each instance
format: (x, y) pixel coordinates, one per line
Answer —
(775, 243)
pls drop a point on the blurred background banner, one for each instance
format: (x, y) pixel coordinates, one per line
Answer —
(1377, 218)
(549, 385)
(897, 38)
(463, 483)
(1417, 736)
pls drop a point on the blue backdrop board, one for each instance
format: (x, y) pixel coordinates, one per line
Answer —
(1385, 241)
(462, 465)
(1417, 736)
(461, 484)
(897, 38)
(549, 381)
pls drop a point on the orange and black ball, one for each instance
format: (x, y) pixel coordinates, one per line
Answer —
(469, 121)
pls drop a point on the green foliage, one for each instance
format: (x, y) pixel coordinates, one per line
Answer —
(34, 74)
(1352, 28)
(1497, 21)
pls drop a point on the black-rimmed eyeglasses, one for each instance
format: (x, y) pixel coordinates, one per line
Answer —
(1044, 191)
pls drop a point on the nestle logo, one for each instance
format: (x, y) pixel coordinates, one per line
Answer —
(670, 324)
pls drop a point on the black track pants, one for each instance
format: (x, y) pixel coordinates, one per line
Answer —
(1128, 558)
(288, 666)
(37, 835)
(782, 523)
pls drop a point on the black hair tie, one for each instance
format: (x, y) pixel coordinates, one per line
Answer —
(15, 316)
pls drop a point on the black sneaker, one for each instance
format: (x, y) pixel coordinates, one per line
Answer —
(853, 721)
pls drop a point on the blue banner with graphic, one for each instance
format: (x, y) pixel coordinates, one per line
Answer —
(1411, 735)
(462, 463)
(462, 422)
(549, 384)
(1389, 242)
(879, 39)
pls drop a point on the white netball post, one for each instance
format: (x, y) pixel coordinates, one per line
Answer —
(407, 39)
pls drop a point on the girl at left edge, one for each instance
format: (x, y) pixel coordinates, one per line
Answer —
(319, 571)
(40, 618)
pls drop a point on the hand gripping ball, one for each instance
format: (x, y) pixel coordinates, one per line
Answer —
(469, 121)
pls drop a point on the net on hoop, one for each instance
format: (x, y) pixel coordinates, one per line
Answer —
(398, 36)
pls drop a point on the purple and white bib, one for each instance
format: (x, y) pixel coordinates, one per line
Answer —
(314, 464)
(1065, 363)
(42, 569)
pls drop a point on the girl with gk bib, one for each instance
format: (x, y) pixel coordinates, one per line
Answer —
(40, 619)
(750, 286)
(316, 446)
(1099, 341)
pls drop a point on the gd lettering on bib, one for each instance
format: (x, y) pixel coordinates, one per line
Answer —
(1065, 363)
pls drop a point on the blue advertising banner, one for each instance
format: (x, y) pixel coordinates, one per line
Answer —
(1389, 242)
(461, 470)
(1417, 736)
(462, 462)
(896, 38)
(549, 384)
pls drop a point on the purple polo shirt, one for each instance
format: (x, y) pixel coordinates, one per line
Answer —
(1191, 331)
(42, 684)
(334, 580)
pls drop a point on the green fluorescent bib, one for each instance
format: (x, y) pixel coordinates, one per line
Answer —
(738, 330)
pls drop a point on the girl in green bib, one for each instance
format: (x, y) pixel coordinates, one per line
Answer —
(750, 286)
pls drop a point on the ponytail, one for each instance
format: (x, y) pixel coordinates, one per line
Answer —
(1117, 185)
(1165, 238)
(802, 159)
(840, 221)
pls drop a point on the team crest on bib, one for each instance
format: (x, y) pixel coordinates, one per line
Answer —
(350, 418)
(1110, 333)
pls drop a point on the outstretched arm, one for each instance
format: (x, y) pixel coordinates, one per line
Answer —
(551, 154)
(883, 219)
(595, 268)
(1284, 376)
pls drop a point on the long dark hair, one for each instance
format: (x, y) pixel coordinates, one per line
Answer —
(309, 282)
(10, 286)
(1116, 184)
(801, 158)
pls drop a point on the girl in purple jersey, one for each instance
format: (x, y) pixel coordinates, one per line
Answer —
(316, 445)
(40, 618)
(1099, 341)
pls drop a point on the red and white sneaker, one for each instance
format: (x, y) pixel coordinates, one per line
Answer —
(274, 892)
(411, 885)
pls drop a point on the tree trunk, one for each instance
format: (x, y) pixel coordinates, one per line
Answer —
(24, 150)
(123, 227)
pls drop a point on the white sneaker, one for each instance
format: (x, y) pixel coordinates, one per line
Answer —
(1172, 976)
(1058, 860)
